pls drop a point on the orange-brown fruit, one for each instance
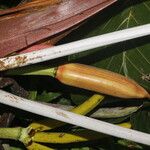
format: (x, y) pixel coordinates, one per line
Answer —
(100, 80)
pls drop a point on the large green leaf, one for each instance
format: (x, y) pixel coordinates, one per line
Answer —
(131, 58)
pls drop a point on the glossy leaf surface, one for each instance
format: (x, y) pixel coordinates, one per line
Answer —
(22, 29)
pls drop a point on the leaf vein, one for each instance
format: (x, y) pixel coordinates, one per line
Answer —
(110, 61)
(146, 6)
(143, 55)
(134, 66)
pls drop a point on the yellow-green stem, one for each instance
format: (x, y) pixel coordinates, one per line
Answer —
(18, 133)
(10, 133)
(34, 70)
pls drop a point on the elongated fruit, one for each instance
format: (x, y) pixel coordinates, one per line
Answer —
(100, 80)
(90, 78)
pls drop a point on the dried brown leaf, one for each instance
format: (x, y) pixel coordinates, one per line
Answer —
(34, 4)
(22, 30)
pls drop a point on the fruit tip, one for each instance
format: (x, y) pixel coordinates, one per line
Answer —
(148, 96)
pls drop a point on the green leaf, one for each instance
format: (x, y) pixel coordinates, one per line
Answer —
(64, 101)
(115, 112)
(130, 58)
(141, 120)
(48, 96)
(32, 95)
(129, 144)
(116, 120)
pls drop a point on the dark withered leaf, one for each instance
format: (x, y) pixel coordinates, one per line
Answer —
(4, 82)
(14, 86)
(6, 119)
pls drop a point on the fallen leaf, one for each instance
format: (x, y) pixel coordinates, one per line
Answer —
(20, 30)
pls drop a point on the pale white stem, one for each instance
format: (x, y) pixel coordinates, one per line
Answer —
(69, 117)
(73, 47)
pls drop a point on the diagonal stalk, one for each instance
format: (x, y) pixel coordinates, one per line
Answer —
(75, 119)
(73, 47)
